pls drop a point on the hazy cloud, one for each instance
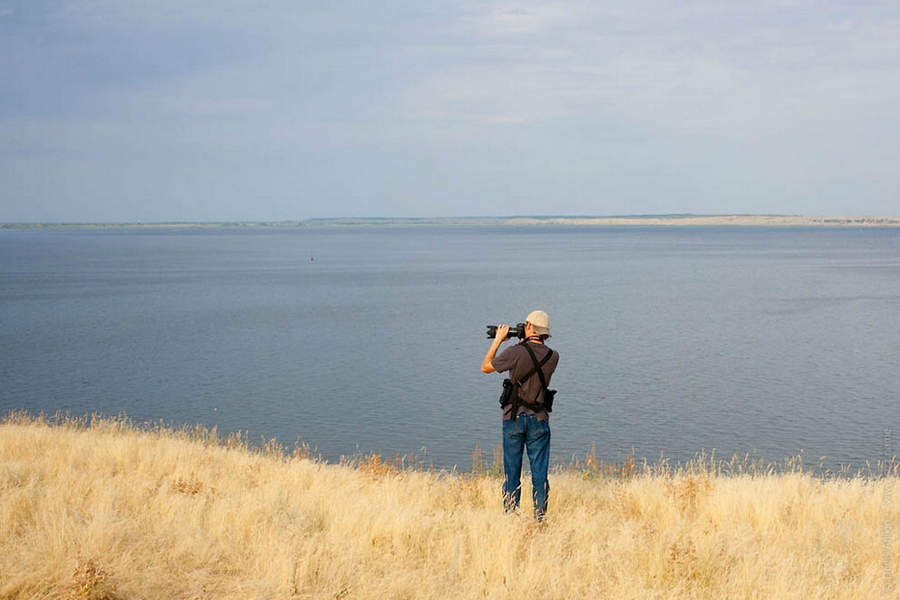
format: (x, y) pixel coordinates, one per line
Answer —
(277, 110)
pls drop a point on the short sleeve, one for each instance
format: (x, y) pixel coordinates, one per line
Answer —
(505, 360)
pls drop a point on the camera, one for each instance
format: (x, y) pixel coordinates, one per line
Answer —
(514, 332)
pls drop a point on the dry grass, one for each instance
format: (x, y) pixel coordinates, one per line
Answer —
(103, 510)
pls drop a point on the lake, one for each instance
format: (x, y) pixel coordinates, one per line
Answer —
(673, 340)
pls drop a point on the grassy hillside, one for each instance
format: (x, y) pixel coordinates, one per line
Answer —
(105, 510)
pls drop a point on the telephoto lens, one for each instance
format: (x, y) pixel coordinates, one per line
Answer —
(514, 332)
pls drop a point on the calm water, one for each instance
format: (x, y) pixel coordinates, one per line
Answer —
(767, 341)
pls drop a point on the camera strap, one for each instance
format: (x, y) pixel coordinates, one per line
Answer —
(515, 400)
(537, 366)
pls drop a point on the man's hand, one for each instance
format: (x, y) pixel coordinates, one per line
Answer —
(499, 338)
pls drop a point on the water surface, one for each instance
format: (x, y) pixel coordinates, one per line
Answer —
(769, 341)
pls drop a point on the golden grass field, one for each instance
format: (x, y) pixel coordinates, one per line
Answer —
(101, 509)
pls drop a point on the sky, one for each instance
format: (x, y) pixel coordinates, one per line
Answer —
(158, 110)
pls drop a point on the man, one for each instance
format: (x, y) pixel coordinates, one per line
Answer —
(529, 427)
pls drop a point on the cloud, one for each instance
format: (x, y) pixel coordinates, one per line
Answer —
(521, 19)
(633, 101)
(511, 21)
(729, 70)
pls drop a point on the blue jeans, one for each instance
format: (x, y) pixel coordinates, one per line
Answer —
(526, 432)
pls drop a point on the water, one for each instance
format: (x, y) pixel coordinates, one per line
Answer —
(672, 340)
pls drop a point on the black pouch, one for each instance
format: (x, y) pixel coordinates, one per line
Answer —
(509, 390)
(548, 399)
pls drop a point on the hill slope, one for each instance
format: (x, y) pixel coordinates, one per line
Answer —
(105, 510)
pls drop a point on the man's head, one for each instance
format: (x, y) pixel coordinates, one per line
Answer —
(540, 323)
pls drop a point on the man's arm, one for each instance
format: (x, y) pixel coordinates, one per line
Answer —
(486, 366)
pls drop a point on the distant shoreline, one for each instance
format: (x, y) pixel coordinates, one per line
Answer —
(677, 220)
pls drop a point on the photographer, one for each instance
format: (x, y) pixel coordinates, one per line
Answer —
(526, 422)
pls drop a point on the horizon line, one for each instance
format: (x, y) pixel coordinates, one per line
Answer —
(445, 218)
(646, 220)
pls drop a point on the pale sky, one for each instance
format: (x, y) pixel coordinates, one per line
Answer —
(158, 110)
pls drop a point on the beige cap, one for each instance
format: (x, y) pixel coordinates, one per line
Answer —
(541, 322)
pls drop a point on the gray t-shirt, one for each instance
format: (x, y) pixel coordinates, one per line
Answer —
(516, 360)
